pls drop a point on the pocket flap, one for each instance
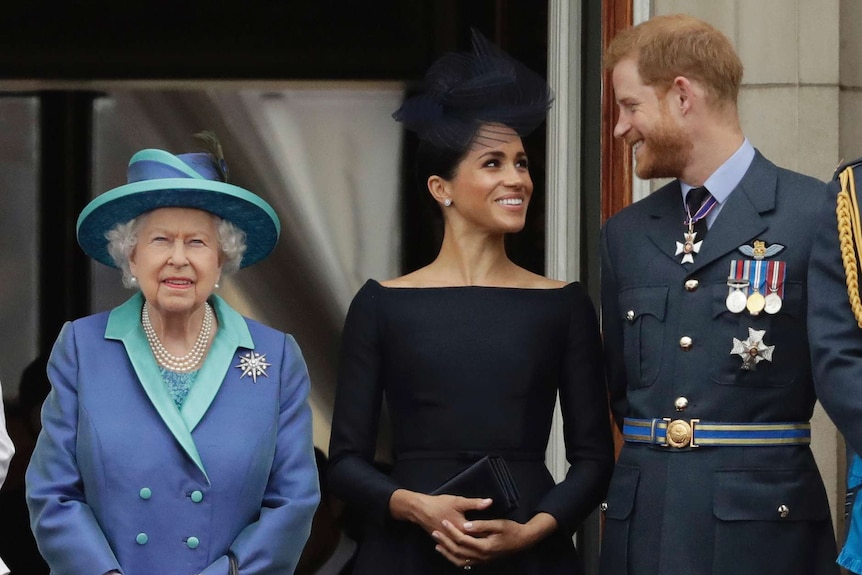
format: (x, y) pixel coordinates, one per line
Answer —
(621, 492)
(649, 300)
(770, 495)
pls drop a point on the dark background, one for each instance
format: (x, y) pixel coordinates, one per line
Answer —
(255, 40)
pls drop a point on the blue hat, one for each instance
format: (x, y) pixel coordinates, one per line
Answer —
(158, 179)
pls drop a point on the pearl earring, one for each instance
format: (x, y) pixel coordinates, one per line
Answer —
(447, 202)
(133, 280)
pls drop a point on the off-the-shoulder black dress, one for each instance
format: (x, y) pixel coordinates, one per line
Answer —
(469, 371)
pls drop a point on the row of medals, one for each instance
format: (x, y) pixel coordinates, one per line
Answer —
(755, 302)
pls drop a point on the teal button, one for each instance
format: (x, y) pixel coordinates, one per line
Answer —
(197, 496)
(142, 538)
(145, 493)
(193, 542)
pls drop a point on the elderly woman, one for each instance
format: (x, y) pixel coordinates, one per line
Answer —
(470, 353)
(176, 437)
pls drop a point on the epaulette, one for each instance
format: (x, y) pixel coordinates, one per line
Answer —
(850, 231)
(855, 164)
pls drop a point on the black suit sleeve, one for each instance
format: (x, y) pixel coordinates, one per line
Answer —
(356, 416)
(586, 426)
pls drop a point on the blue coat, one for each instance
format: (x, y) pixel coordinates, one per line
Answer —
(668, 335)
(121, 479)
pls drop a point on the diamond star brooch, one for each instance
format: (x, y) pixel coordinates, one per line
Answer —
(253, 364)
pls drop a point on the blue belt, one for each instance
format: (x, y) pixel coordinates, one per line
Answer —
(696, 433)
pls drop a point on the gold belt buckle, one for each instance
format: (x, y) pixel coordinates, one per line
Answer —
(680, 433)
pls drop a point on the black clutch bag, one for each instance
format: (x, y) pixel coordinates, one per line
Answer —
(488, 477)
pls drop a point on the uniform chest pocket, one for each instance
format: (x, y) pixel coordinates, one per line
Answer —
(643, 315)
(785, 331)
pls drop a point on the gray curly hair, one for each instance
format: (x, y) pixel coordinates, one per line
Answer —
(123, 238)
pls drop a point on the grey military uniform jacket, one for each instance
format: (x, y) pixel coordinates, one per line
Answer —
(836, 339)
(711, 510)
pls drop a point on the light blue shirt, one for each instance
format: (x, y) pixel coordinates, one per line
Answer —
(725, 179)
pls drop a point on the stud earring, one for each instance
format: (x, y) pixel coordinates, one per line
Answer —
(447, 202)
(133, 280)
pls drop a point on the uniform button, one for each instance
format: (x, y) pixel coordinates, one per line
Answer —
(691, 285)
(604, 506)
(680, 403)
(630, 315)
(145, 493)
(193, 542)
(197, 496)
(142, 538)
(783, 511)
(685, 342)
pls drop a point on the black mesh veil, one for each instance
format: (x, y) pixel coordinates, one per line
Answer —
(463, 91)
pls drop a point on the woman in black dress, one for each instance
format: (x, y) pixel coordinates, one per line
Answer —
(470, 353)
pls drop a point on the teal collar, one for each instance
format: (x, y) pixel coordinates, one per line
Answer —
(124, 324)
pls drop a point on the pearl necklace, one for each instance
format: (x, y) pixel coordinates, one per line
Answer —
(170, 361)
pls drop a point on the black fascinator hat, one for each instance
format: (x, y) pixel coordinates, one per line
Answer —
(463, 91)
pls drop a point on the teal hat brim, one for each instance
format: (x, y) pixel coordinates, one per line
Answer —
(242, 208)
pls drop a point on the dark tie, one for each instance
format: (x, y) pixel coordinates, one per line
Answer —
(694, 200)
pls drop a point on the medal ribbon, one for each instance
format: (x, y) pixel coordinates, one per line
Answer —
(737, 270)
(776, 272)
(701, 212)
(746, 273)
(736, 282)
(757, 275)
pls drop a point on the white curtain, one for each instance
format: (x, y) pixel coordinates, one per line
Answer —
(326, 156)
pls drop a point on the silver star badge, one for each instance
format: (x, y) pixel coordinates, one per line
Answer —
(752, 350)
(689, 248)
(253, 364)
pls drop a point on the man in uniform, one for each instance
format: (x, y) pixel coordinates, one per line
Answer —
(835, 319)
(703, 306)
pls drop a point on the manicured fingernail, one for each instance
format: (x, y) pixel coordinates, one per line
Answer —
(446, 523)
(435, 534)
(468, 525)
(438, 549)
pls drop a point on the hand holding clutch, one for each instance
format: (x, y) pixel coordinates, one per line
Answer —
(487, 478)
